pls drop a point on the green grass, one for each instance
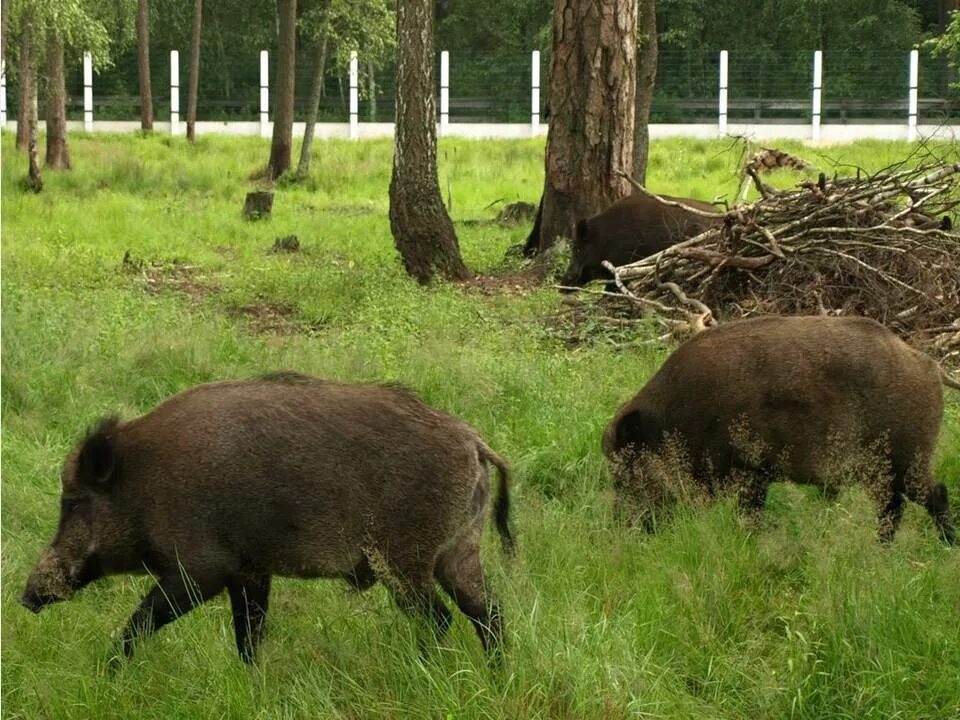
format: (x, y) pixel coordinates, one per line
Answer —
(805, 616)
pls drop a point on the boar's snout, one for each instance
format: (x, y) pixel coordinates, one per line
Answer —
(50, 582)
(35, 601)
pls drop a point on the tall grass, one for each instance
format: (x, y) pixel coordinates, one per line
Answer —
(805, 616)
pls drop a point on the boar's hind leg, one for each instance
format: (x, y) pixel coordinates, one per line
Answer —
(461, 576)
(170, 598)
(248, 598)
(416, 595)
(938, 505)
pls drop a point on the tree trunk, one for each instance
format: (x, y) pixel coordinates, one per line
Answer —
(27, 77)
(143, 65)
(194, 69)
(646, 79)
(372, 89)
(58, 154)
(282, 142)
(319, 67)
(592, 88)
(33, 181)
(4, 14)
(421, 227)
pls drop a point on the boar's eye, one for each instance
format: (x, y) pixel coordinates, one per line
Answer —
(70, 505)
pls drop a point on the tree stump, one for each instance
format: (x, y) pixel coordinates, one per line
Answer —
(288, 243)
(258, 205)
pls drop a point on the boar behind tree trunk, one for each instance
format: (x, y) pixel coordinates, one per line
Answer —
(228, 484)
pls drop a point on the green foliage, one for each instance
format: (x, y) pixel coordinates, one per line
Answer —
(948, 44)
(802, 617)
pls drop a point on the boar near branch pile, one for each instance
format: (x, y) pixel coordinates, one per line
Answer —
(882, 246)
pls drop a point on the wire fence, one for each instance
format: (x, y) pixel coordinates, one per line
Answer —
(763, 87)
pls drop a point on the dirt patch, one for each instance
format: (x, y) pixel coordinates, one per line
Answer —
(156, 276)
(272, 318)
(512, 284)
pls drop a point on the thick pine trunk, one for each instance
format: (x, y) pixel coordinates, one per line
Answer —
(58, 154)
(27, 78)
(143, 65)
(646, 79)
(280, 147)
(194, 69)
(592, 88)
(316, 88)
(421, 227)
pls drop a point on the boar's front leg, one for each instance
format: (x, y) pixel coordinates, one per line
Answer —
(249, 597)
(170, 598)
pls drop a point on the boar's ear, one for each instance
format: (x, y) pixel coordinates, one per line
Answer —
(581, 233)
(97, 458)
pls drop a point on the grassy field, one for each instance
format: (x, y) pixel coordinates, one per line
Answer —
(802, 616)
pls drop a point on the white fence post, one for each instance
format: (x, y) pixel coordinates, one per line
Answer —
(264, 94)
(87, 92)
(912, 97)
(534, 92)
(817, 90)
(354, 96)
(3, 94)
(722, 120)
(444, 92)
(174, 92)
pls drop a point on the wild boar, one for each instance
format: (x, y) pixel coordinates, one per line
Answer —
(631, 229)
(227, 484)
(770, 398)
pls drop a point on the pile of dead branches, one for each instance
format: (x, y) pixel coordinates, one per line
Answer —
(882, 246)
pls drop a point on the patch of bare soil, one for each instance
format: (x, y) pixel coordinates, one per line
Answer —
(156, 276)
(268, 318)
(510, 284)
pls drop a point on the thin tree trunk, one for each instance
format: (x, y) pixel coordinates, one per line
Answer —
(319, 67)
(33, 181)
(646, 79)
(280, 147)
(27, 77)
(143, 65)
(421, 227)
(592, 88)
(194, 69)
(4, 14)
(372, 87)
(58, 154)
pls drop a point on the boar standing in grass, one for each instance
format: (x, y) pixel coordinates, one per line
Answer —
(631, 229)
(767, 398)
(228, 484)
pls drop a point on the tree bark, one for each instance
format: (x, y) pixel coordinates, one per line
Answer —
(28, 49)
(592, 89)
(194, 69)
(27, 77)
(143, 65)
(421, 227)
(4, 14)
(58, 154)
(646, 79)
(280, 147)
(316, 88)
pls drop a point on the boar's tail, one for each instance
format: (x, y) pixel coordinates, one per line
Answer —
(949, 381)
(501, 509)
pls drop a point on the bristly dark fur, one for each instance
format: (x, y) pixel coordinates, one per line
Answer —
(103, 427)
(289, 377)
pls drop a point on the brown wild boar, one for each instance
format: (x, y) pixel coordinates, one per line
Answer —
(767, 398)
(227, 484)
(631, 229)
